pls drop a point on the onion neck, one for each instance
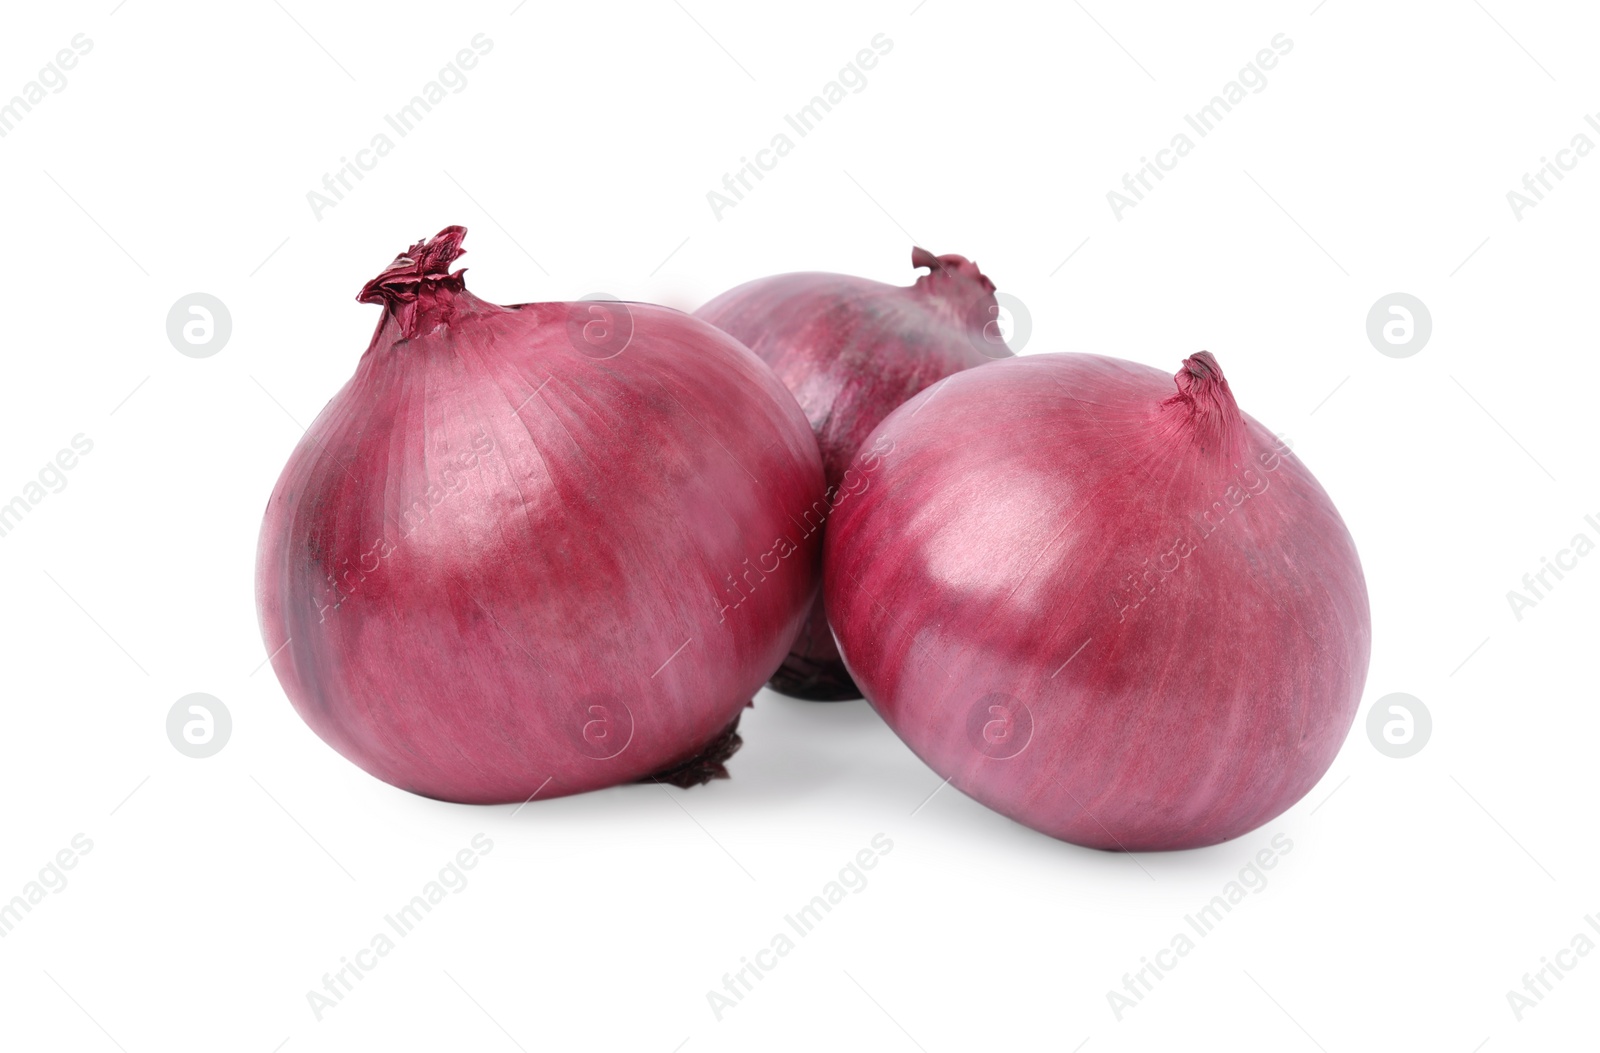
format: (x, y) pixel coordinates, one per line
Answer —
(418, 288)
(1203, 410)
(955, 288)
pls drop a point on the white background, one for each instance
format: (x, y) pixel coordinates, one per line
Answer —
(1377, 159)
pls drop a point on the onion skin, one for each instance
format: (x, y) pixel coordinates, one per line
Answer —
(1011, 595)
(851, 350)
(497, 564)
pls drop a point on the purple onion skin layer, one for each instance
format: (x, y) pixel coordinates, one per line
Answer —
(1122, 615)
(852, 350)
(498, 558)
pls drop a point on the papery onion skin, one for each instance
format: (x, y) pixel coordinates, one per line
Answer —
(1123, 615)
(851, 350)
(499, 562)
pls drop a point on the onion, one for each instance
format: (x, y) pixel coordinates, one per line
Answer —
(502, 561)
(1127, 617)
(851, 350)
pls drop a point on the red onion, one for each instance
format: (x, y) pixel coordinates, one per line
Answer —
(851, 350)
(1127, 617)
(506, 551)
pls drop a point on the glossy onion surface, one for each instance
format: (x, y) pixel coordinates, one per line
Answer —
(503, 559)
(1101, 600)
